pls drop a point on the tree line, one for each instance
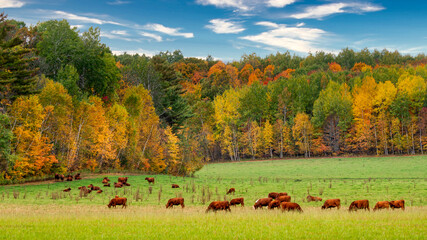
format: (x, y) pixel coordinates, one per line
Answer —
(67, 103)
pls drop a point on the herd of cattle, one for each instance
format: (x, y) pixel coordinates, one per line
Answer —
(274, 199)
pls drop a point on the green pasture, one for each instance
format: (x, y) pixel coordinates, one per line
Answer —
(151, 222)
(374, 178)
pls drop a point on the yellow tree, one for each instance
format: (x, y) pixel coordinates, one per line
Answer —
(226, 118)
(267, 138)
(283, 139)
(302, 132)
(173, 153)
(118, 120)
(34, 151)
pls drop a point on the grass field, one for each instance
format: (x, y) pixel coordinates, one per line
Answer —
(32, 211)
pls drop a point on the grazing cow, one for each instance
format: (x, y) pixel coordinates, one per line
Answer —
(231, 190)
(67, 190)
(104, 181)
(117, 201)
(274, 204)
(273, 195)
(69, 178)
(237, 201)
(118, 185)
(59, 177)
(150, 180)
(93, 188)
(359, 204)
(282, 194)
(107, 185)
(284, 199)
(290, 206)
(382, 205)
(123, 179)
(397, 204)
(175, 201)
(175, 186)
(263, 202)
(77, 177)
(331, 203)
(313, 199)
(219, 205)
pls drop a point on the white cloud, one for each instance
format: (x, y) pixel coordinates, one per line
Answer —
(224, 26)
(112, 35)
(156, 37)
(118, 2)
(246, 5)
(139, 51)
(293, 38)
(120, 32)
(167, 30)
(71, 16)
(318, 12)
(279, 3)
(78, 26)
(300, 24)
(11, 3)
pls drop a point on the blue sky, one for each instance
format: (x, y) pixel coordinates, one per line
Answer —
(227, 29)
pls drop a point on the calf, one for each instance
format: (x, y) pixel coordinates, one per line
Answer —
(359, 204)
(126, 184)
(284, 199)
(331, 203)
(104, 181)
(175, 201)
(263, 202)
(118, 185)
(397, 204)
(313, 199)
(93, 188)
(99, 191)
(107, 185)
(219, 205)
(237, 201)
(175, 186)
(67, 190)
(150, 180)
(117, 201)
(382, 205)
(288, 206)
(231, 190)
(274, 204)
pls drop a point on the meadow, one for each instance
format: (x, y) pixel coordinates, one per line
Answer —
(34, 210)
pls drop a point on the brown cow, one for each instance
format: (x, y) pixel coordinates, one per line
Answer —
(237, 201)
(99, 191)
(284, 199)
(175, 186)
(231, 190)
(105, 181)
(59, 177)
(219, 205)
(275, 195)
(107, 185)
(93, 188)
(69, 178)
(150, 180)
(126, 184)
(118, 185)
(117, 201)
(382, 205)
(263, 202)
(359, 204)
(331, 203)
(274, 204)
(67, 190)
(288, 206)
(313, 199)
(397, 204)
(77, 177)
(123, 179)
(175, 201)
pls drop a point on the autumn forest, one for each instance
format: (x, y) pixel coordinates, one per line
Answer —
(68, 104)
